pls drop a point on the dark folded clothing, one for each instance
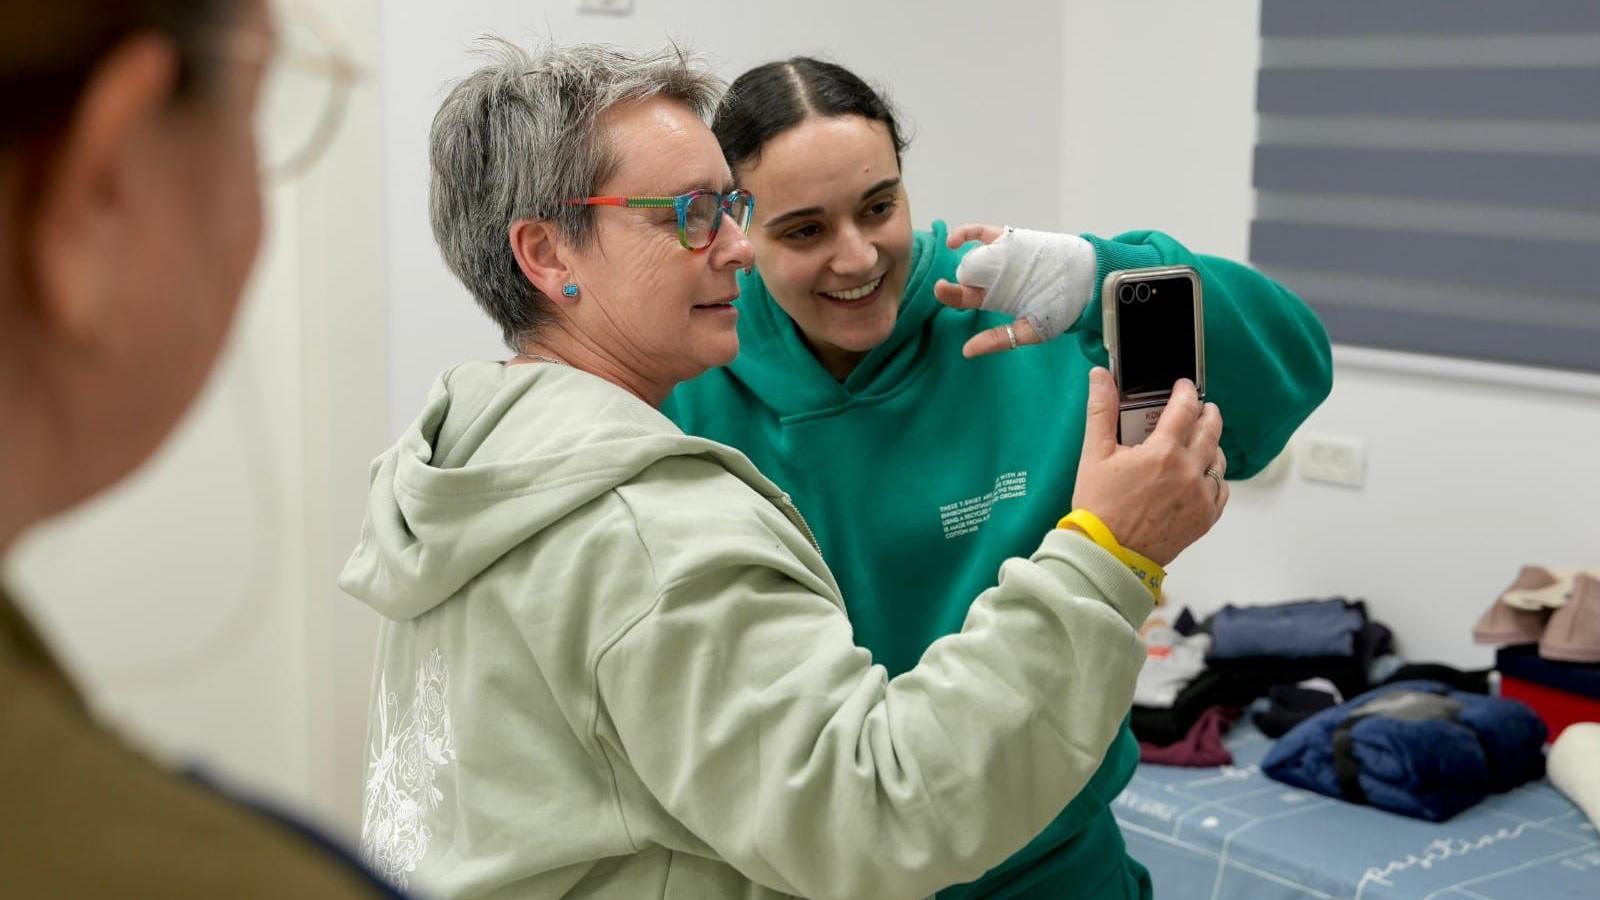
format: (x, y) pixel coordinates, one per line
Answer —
(1201, 747)
(1525, 662)
(1376, 640)
(1291, 705)
(1240, 682)
(1211, 688)
(1473, 682)
(1348, 673)
(1302, 629)
(1186, 624)
(1416, 748)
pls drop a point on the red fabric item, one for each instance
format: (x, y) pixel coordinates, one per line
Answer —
(1556, 707)
(1201, 747)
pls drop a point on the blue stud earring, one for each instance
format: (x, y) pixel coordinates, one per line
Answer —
(569, 290)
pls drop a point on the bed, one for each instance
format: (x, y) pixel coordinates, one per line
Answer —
(1231, 833)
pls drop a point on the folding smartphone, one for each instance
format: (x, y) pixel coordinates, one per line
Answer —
(1155, 335)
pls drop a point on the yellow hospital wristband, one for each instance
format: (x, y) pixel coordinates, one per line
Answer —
(1095, 530)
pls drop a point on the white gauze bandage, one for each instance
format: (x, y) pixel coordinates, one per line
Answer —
(1040, 276)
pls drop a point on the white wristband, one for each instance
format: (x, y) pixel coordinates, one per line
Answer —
(1040, 276)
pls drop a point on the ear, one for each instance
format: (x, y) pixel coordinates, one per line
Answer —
(542, 255)
(85, 218)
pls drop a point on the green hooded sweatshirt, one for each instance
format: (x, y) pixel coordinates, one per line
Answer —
(614, 665)
(923, 469)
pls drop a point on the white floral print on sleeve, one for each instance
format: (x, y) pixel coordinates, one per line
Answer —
(408, 750)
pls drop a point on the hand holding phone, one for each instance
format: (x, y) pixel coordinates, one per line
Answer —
(1159, 497)
(1155, 334)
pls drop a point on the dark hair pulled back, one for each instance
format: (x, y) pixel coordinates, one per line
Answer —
(775, 97)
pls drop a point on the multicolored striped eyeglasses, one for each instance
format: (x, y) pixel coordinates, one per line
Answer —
(699, 212)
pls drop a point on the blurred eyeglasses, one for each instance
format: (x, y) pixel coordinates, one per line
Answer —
(308, 73)
(699, 212)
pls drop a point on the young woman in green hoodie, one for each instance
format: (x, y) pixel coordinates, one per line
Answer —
(919, 470)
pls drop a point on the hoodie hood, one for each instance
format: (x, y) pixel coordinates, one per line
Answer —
(776, 364)
(497, 455)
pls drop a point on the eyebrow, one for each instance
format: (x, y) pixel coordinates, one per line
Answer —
(817, 210)
(699, 186)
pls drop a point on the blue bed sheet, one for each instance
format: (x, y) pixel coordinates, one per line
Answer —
(1231, 833)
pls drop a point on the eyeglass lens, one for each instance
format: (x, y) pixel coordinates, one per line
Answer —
(303, 93)
(705, 214)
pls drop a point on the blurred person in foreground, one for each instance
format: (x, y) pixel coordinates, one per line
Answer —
(130, 214)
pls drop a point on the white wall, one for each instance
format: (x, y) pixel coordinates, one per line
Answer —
(981, 89)
(172, 598)
(1158, 119)
(1473, 469)
(341, 281)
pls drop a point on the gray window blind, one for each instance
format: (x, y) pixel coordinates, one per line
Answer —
(1428, 173)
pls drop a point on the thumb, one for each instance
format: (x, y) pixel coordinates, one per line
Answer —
(1100, 424)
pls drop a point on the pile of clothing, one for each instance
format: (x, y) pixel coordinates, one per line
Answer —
(1419, 740)
(1304, 655)
(1417, 748)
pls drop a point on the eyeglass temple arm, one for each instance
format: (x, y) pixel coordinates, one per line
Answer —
(626, 201)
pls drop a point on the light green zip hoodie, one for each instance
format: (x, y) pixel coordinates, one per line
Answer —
(614, 665)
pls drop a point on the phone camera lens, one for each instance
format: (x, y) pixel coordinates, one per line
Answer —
(1142, 292)
(1126, 293)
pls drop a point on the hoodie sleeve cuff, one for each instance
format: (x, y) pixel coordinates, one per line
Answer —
(1087, 569)
(1113, 256)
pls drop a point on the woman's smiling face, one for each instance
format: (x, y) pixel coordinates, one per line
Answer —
(832, 233)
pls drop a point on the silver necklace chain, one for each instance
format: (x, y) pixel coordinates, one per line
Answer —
(534, 357)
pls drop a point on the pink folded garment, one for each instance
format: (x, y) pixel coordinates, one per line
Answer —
(1201, 747)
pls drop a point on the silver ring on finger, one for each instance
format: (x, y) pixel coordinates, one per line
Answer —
(1216, 477)
(1011, 335)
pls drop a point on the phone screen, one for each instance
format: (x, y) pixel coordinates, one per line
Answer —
(1155, 334)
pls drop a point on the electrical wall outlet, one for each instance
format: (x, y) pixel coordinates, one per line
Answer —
(1332, 459)
(606, 7)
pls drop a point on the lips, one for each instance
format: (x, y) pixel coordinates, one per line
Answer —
(716, 304)
(855, 293)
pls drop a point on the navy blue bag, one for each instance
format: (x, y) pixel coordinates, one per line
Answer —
(1417, 748)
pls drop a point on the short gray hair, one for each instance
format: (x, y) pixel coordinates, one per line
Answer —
(519, 136)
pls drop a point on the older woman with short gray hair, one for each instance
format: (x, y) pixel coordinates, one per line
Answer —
(484, 175)
(613, 661)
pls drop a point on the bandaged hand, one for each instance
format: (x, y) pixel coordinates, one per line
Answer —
(1041, 278)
